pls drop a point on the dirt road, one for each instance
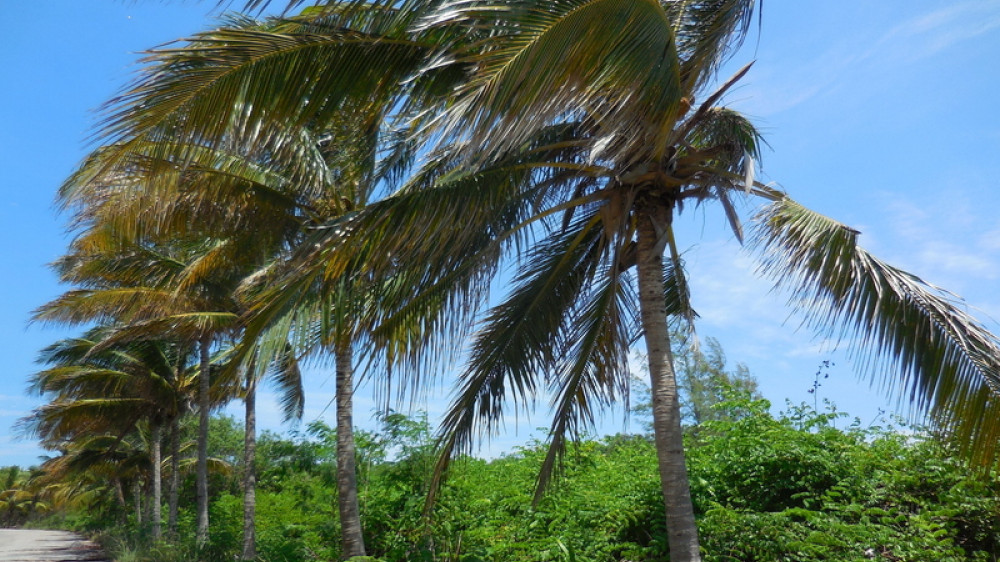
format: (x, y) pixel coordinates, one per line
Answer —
(23, 545)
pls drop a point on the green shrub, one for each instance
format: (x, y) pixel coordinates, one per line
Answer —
(787, 488)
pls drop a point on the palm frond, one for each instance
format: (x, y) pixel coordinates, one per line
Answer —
(182, 326)
(708, 32)
(613, 62)
(262, 77)
(394, 264)
(288, 379)
(63, 419)
(525, 336)
(77, 379)
(916, 340)
(105, 306)
(724, 138)
(676, 290)
(101, 258)
(595, 371)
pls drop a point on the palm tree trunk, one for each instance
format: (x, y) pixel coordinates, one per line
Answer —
(137, 499)
(352, 540)
(120, 497)
(201, 466)
(682, 534)
(175, 476)
(250, 470)
(147, 502)
(175, 441)
(156, 460)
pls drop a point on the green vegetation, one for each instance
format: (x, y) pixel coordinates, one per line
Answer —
(765, 488)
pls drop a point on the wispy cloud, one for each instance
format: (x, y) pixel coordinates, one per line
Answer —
(784, 79)
(946, 236)
(733, 301)
(990, 239)
(931, 33)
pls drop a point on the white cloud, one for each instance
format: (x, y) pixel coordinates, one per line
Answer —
(944, 237)
(858, 65)
(959, 260)
(990, 239)
(931, 33)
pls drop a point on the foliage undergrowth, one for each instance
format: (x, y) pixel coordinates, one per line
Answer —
(769, 488)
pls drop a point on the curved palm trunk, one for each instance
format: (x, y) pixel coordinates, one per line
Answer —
(201, 466)
(174, 483)
(352, 540)
(250, 470)
(157, 461)
(681, 530)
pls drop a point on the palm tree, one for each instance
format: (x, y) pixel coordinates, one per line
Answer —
(174, 204)
(646, 149)
(99, 389)
(608, 121)
(146, 291)
(21, 497)
(94, 471)
(302, 189)
(573, 311)
(151, 199)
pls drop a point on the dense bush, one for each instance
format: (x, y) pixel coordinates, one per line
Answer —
(795, 488)
(792, 487)
(766, 488)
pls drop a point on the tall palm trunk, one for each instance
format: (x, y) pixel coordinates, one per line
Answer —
(352, 540)
(250, 470)
(681, 530)
(122, 503)
(173, 487)
(175, 444)
(137, 500)
(157, 462)
(201, 466)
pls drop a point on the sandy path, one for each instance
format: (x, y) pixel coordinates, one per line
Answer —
(25, 545)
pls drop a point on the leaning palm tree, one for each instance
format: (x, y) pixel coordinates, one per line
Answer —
(145, 313)
(154, 199)
(652, 139)
(175, 209)
(179, 140)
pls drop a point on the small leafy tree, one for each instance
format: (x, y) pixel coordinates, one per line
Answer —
(705, 382)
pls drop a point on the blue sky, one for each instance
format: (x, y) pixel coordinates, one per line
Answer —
(879, 114)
